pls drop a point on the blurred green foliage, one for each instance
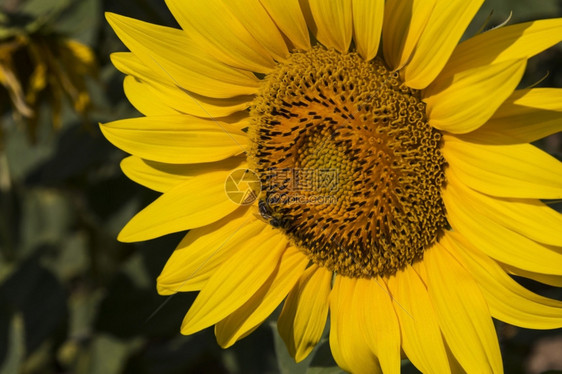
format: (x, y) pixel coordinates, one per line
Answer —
(72, 298)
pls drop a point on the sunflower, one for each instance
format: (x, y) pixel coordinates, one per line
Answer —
(399, 190)
(39, 64)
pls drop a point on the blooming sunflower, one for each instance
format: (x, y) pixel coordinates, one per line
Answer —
(399, 190)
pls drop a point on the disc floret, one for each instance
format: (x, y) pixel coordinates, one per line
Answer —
(348, 162)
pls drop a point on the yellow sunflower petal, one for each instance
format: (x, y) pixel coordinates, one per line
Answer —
(348, 345)
(514, 42)
(160, 90)
(291, 266)
(155, 175)
(260, 25)
(553, 280)
(331, 22)
(519, 171)
(444, 29)
(531, 218)
(176, 139)
(288, 16)
(467, 100)
(235, 281)
(367, 25)
(496, 240)
(404, 22)
(195, 203)
(304, 313)
(186, 65)
(421, 338)
(508, 301)
(156, 98)
(217, 31)
(381, 328)
(462, 312)
(145, 100)
(526, 116)
(162, 177)
(204, 249)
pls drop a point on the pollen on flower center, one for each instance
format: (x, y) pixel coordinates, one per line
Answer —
(351, 170)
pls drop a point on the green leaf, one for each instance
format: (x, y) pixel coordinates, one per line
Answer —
(71, 258)
(37, 294)
(44, 10)
(323, 359)
(108, 355)
(287, 364)
(81, 20)
(330, 370)
(45, 219)
(16, 347)
(83, 306)
(22, 156)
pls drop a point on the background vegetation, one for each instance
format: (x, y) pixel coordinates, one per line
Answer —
(72, 298)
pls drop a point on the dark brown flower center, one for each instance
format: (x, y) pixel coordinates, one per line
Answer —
(350, 169)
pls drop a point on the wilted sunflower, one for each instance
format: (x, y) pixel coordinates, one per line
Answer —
(37, 65)
(399, 191)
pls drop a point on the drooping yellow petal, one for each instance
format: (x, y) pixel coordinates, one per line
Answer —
(83, 54)
(204, 249)
(158, 89)
(288, 16)
(380, 324)
(367, 26)
(444, 29)
(304, 313)
(462, 311)
(421, 337)
(531, 218)
(467, 100)
(348, 345)
(260, 25)
(509, 43)
(195, 203)
(330, 22)
(213, 27)
(236, 280)
(507, 299)
(404, 22)
(519, 171)
(186, 65)
(162, 177)
(291, 267)
(180, 139)
(526, 116)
